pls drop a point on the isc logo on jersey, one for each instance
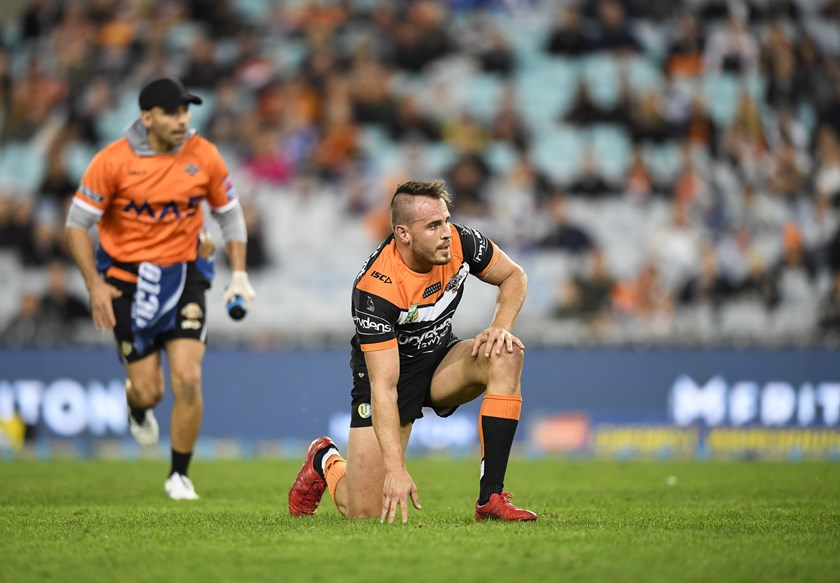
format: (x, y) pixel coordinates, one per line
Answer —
(380, 276)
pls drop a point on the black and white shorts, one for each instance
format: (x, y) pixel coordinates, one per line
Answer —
(413, 391)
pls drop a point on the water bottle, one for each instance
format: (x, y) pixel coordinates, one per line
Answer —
(236, 307)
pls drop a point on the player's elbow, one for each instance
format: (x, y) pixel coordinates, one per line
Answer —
(523, 278)
(518, 278)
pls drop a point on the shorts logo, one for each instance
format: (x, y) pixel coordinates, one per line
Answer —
(192, 314)
(412, 314)
(431, 289)
(364, 410)
(126, 347)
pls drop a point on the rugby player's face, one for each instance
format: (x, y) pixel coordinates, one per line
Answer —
(167, 129)
(431, 239)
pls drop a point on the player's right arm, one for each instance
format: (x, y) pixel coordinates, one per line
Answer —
(384, 372)
(92, 198)
(101, 293)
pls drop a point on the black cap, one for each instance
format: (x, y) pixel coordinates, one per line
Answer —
(167, 93)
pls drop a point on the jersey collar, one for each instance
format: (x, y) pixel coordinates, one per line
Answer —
(137, 136)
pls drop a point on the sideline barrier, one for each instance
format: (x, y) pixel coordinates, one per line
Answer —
(781, 403)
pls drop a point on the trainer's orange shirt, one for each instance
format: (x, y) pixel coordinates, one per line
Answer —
(150, 203)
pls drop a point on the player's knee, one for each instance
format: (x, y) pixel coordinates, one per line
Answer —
(508, 360)
(186, 384)
(506, 368)
(361, 504)
(146, 394)
(361, 511)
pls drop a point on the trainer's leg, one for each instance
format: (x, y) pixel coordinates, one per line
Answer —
(460, 378)
(146, 386)
(359, 493)
(185, 357)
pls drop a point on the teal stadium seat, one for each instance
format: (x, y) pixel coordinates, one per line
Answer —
(545, 91)
(378, 146)
(22, 167)
(181, 36)
(438, 156)
(501, 156)
(612, 149)
(478, 94)
(642, 74)
(77, 157)
(252, 11)
(602, 72)
(526, 36)
(722, 92)
(558, 152)
(111, 123)
(664, 160)
(287, 54)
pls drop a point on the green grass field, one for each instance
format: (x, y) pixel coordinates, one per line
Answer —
(599, 521)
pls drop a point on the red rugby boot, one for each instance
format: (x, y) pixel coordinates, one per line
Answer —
(500, 508)
(309, 486)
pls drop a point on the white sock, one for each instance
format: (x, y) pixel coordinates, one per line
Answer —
(329, 453)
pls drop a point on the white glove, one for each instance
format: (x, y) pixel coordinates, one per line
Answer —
(239, 286)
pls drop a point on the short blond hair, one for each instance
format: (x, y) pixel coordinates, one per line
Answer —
(400, 208)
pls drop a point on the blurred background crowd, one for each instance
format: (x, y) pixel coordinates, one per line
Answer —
(667, 171)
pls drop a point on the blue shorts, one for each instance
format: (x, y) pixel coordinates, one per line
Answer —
(190, 319)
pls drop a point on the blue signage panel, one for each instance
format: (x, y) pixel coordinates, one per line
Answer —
(300, 394)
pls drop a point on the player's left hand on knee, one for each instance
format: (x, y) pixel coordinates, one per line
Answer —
(495, 339)
(239, 286)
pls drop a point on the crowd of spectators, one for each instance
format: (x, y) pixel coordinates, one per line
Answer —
(715, 123)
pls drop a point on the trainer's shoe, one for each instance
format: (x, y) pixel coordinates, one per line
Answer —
(500, 508)
(147, 432)
(309, 486)
(179, 487)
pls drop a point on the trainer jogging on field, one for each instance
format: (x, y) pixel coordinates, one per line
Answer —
(405, 357)
(147, 281)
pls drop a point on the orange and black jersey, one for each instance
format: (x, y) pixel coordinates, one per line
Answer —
(396, 307)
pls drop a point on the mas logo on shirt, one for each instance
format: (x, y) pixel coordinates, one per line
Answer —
(370, 306)
(192, 169)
